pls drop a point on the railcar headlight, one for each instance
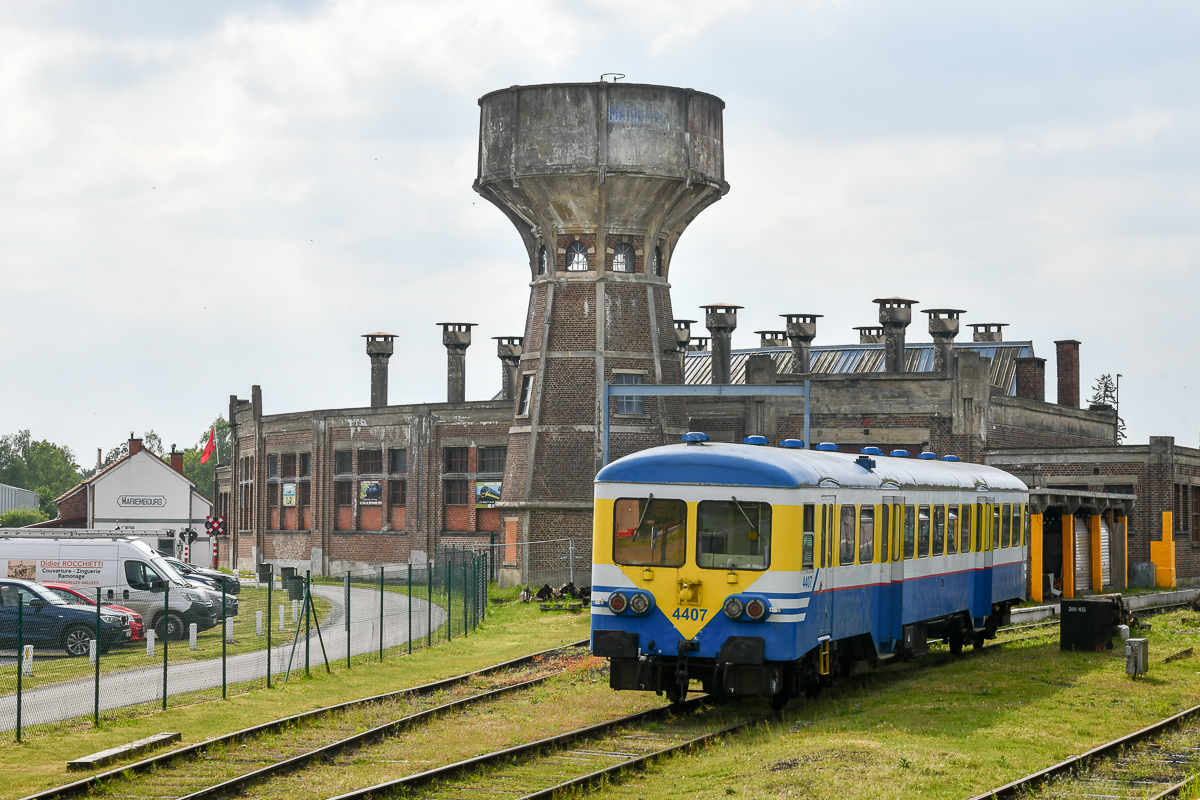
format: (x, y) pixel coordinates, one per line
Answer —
(734, 608)
(618, 602)
(756, 609)
(639, 603)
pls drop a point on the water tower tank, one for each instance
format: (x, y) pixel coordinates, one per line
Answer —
(600, 180)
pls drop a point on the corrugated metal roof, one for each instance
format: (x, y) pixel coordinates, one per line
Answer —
(864, 358)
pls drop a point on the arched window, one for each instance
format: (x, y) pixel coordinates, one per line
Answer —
(541, 267)
(658, 262)
(623, 258)
(577, 257)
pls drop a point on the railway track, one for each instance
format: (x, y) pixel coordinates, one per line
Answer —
(365, 720)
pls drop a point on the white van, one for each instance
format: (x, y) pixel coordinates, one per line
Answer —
(128, 572)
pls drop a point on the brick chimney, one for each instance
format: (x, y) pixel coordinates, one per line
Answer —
(988, 331)
(176, 460)
(943, 327)
(801, 330)
(721, 320)
(870, 334)
(1031, 378)
(894, 315)
(1067, 357)
(135, 444)
(508, 350)
(457, 338)
(379, 348)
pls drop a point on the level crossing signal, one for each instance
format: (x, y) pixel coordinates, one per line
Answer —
(215, 527)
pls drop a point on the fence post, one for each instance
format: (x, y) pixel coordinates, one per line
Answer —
(224, 623)
(20, 656)
(410, 606)
(166, 635)
(270, 586)
(96, 699)
(347, 619)
(571, 556)
(381, 615)
(307, 621)
(429, 603)
(466, 592)
(449, 597)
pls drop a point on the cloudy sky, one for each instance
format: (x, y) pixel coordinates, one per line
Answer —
(200, 196)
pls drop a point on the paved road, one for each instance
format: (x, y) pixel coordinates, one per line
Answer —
(132, 687)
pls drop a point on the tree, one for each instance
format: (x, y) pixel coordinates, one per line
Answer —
(202, 474)
(150, 441)
(20, 517)
(1104, 392)
(39, 466)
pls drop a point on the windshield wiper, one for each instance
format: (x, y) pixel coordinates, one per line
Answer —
(753, 527)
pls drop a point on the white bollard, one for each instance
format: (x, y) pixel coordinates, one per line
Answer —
(27, 661)
(295, 610)
(229, 629)
(1123, 632)
(91, 651)
(282, 618)
(258, 623)
(150, 633)
(192, 636)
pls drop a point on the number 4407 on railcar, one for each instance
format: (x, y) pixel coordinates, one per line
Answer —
(765, 571)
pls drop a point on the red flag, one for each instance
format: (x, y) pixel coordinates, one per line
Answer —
(211, 447)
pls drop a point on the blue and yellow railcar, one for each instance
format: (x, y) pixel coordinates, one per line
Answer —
(769, 571)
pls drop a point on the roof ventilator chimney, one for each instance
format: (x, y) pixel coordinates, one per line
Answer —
(457, 338)
(894, 315)
(988, 331)
(379, 348)
(683, 335)
(508, 350)
(870, 334)
(801, 330)
(943, 327)
(721, 319)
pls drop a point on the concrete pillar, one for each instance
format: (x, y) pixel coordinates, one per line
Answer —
(457, 338)
(1068, 557)
(1031, 378)
(894, 315)
(801, 330)
(509, 349)
(988, 331)
(721, 320)
(870, 334)
(1068, 372)
(943, 327)
(1036, 567)
(379, 348)
(1094, 547)
(683, 335)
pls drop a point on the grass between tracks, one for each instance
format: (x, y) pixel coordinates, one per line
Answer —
(511, 630)
(948, 731)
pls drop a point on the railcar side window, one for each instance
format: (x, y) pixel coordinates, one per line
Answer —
(951, 529)
(733, 534)
(910, 521)
(1006, 525)
(649, 532)
(808, 531)
(995, 526)
(923, 531)
(885, 532)
(827, 534)
(846, 550)
(866, 535)
(939, 530)
(964, 524)
(1026, 515)
(1019, 526)
(978, 524)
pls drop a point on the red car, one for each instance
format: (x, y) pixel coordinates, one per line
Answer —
(73, 595)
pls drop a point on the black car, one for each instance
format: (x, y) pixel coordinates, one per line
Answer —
(50, 623)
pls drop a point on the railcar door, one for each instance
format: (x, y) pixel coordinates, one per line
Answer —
(896, 568)
(823, 593)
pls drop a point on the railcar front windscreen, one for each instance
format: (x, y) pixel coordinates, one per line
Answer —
(733, 534)
(650, 532)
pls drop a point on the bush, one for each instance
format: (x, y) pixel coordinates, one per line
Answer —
(20, 517)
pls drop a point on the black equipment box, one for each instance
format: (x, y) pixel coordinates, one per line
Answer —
(1087, 625)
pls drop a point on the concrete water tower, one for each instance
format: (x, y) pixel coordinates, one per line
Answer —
(600, 180)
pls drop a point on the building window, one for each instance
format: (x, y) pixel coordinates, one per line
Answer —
(306, 494)
(456, 492)
(370, 462)
(398, 460)
(1196, 513)
(623, 258)
(272, 466)
(341, 462)
(541, 265)
(397, 493)
(658, 262)
(272, 494)
(526, 395)
(345, 493)
(577, 257)
(305, 464)
(456, 459)
(491, 459)
(289, 465)
(625, 404)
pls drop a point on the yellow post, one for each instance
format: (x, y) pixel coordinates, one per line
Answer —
(1162, 553)
(1068, 557)
(1035, 557)
(1094, 531)
(1125, 549)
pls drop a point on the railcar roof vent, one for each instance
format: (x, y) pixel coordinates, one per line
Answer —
(950, 458)
(794, 444)
(871, 451)
(758, 440)
(928, 456)
(694, 437)
(866, 463)
(899, 454)
(827, 446)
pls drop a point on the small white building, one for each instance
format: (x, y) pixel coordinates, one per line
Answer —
(13, 498)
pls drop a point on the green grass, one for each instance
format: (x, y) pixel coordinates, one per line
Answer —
(510, 630)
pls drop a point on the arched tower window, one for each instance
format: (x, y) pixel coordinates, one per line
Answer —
(541, 263)
(623, 257)
(658, 262)
(577, 257)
